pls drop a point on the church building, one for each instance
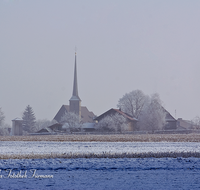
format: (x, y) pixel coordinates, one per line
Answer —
(75, 104)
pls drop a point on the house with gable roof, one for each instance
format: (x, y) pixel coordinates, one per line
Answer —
(131, 122)
(171, 122)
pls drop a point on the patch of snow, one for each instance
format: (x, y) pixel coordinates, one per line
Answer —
(45, 147)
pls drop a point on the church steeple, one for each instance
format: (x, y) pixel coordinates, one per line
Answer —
(75, 86)
(75, 101)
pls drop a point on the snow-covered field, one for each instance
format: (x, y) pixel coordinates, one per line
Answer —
(160, 168)
(46, 149)
(103, 173)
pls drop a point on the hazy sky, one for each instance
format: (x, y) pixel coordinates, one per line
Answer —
(122, 45)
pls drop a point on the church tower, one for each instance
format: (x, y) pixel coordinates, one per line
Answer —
(84, 114)
(75, 101)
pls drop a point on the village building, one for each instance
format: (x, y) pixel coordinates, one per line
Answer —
(186, 124)
(88, 127)
(131, 122)
(171, 122)
(88, 119)
(50, 130)
(17, 127)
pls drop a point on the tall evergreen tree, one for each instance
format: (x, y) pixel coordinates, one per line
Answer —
(28, 119)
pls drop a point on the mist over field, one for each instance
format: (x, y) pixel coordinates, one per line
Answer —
(121, 46)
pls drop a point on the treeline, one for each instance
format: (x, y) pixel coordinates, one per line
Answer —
(147, 110)
(29, 123)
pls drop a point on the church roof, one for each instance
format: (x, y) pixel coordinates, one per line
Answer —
(86, 115)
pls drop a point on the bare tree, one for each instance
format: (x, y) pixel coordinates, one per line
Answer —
(153, 115)
(196, 122)
(133, 103)
(72, 120)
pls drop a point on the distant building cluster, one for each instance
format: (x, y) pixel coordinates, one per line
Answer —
(89, 119)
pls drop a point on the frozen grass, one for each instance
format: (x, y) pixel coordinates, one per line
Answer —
(103, 155)
(108, 138)
(85, 151)
(49, 149)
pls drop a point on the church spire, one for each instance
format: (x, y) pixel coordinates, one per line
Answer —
(75, 101)
(75, 87)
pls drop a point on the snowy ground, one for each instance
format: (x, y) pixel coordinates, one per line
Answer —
(21, 148)
(99, 173)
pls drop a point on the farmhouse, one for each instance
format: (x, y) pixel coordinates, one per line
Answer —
(131, 122)
(171, 122)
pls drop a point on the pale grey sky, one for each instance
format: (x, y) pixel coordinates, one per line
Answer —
(151, 45)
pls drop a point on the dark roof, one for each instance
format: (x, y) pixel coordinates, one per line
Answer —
(60, 113)
(112, 112)
(51, 129)
(168, 116)
(45, 130)
(86, 115)
(56, 126)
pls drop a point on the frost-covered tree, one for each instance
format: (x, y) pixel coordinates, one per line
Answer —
(2, 117)
(112, 123)
(119, 121)
(29, 119)
(72, 121)
(153, 115)
(196, 122)
(106, 124)
(3, 127)
(4, 130)
(133, 103)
